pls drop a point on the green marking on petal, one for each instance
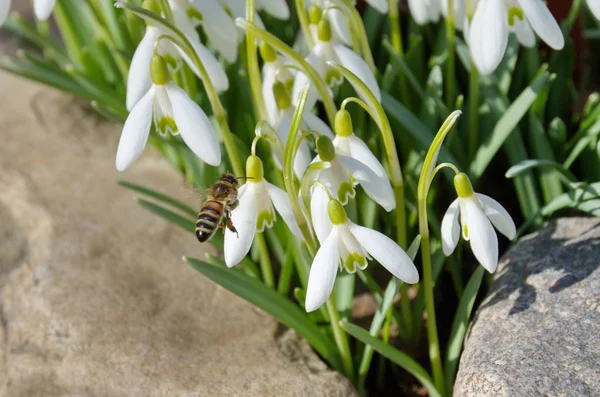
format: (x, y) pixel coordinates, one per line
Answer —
(515, 12)
(333, 77)
(346, 191)
(265, 219)
(353, 260)
(170, 60)
(167, 124)
(465, 231)
(194, 14)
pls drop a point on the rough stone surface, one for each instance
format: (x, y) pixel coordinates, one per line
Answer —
(94, 299)
(538, 331)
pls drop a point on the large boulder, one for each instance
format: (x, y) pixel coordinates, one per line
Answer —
(94, 298)
(538, 331)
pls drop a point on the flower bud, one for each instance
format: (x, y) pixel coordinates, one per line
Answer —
(282, 95)
(343, 123)
(254, 169)
(337, 213)
(325, 148)
(159, 72)
(463, 186)
(267, 52)
(324, 30)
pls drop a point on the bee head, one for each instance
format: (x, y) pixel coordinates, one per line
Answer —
(230, 178)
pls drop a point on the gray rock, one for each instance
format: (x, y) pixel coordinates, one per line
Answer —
(538, 331)
(94, 298)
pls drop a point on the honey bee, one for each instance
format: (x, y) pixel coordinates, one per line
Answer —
(221, 200)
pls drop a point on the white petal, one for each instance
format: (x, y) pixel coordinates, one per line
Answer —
(138, 80)
(361, 152)
(424, 11)
(377, 187)
(354, 63)
(450, 229)
(320, 217)
(193, 125)
(322, 273)
(43, 8)
(215, 71)
(315, 123)
(4, 10)
(269, 77)
(182, 21)
(499, 217)
(543, 23)
(244, 220)
(340, 26)
(219, 28)
(282, 205)
(302, 80)
(276, 8)
(380, 5)
(482, 236)
(594, 6)
(385, 251)
(488, 35)
(524, 32)
(135, 132)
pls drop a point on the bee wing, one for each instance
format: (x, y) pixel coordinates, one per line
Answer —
(193, 191)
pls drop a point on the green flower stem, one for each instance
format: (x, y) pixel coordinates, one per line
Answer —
(265, 260)
(311, 73)
(570, 21)
(361, 33)
(341, 340)
(395, 33)
(303, 19)
(219, 113)
(253, 69)
(427, 173)
(473, 111)
(166, 9)
(450, 61)
(406, 312)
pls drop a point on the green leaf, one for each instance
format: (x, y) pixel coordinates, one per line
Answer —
(572, 199)
(460, 324)
(160, 197)
(527, 165)
(181, 221)
(507, 124)
(398, 357)
(267, 299)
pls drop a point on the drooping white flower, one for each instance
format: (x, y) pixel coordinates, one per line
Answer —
(138, 80)
(351, 163)
(594, 6)
(348, 246)
(425, 11)
(326, 50)
(283, 121)
(494, 19)
(219, 27)
(274, 69)
(478, 213)
(173, 112)
(258, 200)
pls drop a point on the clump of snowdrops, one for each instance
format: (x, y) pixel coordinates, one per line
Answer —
(347, 126)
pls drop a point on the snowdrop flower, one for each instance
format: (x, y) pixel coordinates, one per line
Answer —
(594, 6)
(139, 81)
(326, 50)
(173, 111)
(337, 19)
(351, 163)
(41, 8)
(274, 69)
(348, 246)
(257, 197)
(478, 213)
(494, 19)
(425, 11)
(283, 121)
(217, 24)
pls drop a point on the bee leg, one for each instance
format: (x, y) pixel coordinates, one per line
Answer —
(234, 205)
(229, 224)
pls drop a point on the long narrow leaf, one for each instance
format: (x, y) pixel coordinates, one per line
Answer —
(398, 357)
(160, 197)
(272, 303)
(181, 221)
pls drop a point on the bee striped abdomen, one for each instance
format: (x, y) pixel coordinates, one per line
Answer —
(209, 219)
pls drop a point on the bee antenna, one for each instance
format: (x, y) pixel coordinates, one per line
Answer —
(244, 177)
